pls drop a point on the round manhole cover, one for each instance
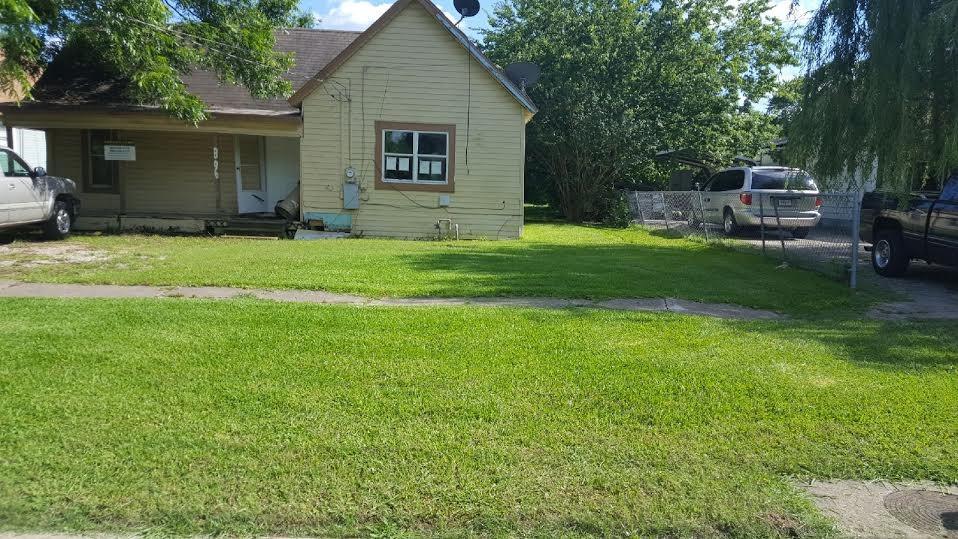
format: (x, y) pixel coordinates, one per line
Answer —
(925, 510)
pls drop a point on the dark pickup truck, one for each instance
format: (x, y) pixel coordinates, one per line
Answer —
(925, 227)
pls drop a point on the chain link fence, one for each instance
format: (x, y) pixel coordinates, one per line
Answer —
(766, 224)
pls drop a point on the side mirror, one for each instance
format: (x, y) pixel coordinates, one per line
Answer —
(39, 172)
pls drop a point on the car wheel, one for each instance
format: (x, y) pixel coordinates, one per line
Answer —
(888, 254)
(800, 233)
(60, 224)
(729, 225)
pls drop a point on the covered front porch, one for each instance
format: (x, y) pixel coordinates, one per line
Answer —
(142, 171)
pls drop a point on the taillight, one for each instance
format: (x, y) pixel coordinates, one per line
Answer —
(746, 198)
(818, 202)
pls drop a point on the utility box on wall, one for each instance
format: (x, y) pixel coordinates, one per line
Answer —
(350, 196)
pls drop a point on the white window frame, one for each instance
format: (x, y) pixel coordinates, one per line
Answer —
(414, 157)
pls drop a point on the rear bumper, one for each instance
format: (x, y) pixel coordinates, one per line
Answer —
(806, 219)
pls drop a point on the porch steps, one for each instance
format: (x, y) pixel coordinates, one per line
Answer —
(251, 226)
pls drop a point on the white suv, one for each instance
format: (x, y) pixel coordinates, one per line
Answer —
(748, 196)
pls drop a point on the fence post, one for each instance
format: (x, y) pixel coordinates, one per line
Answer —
(667, 210)
(638, 204)
(856, 218)
(781, 233)
(705, 226)
(761, 220)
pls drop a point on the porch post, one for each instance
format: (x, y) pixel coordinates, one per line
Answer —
(216, 174)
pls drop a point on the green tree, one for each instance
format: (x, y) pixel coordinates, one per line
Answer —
(625, 78)
(882, 87)
(152, 43)
(785, 102)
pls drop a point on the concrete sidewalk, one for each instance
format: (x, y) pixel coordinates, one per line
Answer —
(15, 289)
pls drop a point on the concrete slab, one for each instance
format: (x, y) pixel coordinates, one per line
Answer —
(719, 310)
(202, 292)
(858, 508)
(652, 304)
(18, 535)
(47, 290)
(308, 296)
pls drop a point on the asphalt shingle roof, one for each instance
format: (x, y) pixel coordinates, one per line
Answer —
(71, 80)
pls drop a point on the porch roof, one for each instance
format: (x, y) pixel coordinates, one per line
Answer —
(74, 82)
(122, 117)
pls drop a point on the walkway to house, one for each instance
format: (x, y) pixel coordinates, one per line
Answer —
(12, 289)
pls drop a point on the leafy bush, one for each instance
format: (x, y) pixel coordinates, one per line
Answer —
(617, 213)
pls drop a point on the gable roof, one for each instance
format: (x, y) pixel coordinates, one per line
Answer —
(310, 86)
(73, 79)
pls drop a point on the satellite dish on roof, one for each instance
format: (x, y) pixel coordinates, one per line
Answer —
(466, 8)
(525, 74)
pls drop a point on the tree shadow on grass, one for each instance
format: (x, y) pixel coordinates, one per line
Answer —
(882, 345)
(684, 270)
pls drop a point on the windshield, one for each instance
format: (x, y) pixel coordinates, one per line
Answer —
(795, 180)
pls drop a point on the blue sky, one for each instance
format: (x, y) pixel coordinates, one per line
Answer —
(359, 14)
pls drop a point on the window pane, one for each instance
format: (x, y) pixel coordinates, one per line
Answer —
(6, 163)
(398, 142)
(19, 168)
(736, 180)
(102, 172)
(397, 167)
(432, 169)
(97, 140)
(783, 179)
(716, 183)
(249, 158)
(432, 143)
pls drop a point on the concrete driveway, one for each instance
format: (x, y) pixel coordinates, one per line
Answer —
(927, 291)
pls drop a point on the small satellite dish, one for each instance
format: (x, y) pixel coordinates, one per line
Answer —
(525, 74)
(466, 8)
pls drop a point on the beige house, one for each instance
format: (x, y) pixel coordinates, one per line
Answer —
(404, 130)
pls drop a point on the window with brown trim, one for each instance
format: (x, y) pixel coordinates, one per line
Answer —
(415, 157)
(99, 175)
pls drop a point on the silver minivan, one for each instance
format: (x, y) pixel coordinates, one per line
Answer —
(748, 196)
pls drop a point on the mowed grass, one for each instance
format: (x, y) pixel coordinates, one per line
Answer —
(555, 260)
(245, 417)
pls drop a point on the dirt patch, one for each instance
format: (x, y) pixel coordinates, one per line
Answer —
(861, 508)
(786, 525)
(32, 255)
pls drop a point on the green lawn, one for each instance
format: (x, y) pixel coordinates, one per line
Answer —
(239, 417)
(551, 260)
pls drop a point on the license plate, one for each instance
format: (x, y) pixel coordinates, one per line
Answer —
(784, 203)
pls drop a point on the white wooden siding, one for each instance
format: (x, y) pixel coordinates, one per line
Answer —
(414, 71)
(172, 174)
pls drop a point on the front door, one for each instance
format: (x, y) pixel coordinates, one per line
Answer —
(250, 174)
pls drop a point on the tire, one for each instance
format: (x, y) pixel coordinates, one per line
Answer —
(889, 257)
(800, 233)
(61, 223)
(5, 239)
(729, 225)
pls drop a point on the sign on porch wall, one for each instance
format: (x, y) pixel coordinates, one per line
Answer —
(119, 151)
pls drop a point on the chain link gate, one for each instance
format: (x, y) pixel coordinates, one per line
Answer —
(831, 247)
